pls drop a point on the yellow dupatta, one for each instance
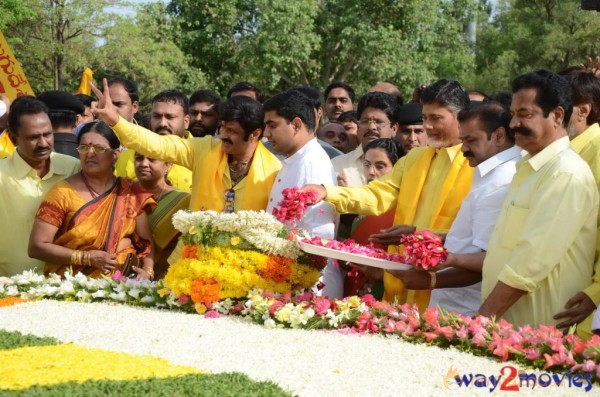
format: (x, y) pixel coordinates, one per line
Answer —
(456, 186)
(258, 184)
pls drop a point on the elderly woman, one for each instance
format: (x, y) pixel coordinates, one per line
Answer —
(152, 175)
(93, 222)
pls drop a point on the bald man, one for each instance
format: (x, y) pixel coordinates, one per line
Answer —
(388, 88)
(334, 134)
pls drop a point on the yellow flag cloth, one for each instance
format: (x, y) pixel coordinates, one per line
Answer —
(13, 83)
(6, 146)
(86, 77)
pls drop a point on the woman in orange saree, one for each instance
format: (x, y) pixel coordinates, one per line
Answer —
(94, 233)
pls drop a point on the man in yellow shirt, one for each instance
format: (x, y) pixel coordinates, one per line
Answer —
(235, 172)
(542, 249)
(584, 133)
(25, 177)
(426, 186)
(170, 116)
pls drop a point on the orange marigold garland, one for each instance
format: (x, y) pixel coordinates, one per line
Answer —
(189, 252)
(10, 301)
(205, 290)
(278, 269)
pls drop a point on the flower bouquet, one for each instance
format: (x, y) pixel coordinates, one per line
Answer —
(225, 255)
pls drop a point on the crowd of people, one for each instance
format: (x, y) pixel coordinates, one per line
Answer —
(509, 181)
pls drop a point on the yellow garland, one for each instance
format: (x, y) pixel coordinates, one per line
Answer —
(50, 365)
(236, 272)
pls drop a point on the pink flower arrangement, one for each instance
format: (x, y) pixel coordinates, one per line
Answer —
(350, 246)
(423, 249)
(293, 205)
(542, 347)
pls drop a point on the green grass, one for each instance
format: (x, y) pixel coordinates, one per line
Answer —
(225, 384)
(13, 340)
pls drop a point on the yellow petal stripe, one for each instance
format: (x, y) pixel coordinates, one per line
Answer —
(49, 365)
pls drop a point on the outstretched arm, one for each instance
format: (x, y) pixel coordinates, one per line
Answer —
(169, 148)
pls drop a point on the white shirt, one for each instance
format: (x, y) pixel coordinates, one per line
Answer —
(311, 164)
(473, 226)
(351, 165)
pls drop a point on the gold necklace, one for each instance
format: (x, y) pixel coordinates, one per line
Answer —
(238, 170)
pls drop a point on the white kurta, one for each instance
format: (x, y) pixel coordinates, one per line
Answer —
(311, 165)
(474, 223)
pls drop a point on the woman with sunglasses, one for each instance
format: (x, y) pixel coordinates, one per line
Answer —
(92, 221)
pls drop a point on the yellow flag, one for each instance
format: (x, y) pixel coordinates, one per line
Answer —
(13, 83)
(86, 78)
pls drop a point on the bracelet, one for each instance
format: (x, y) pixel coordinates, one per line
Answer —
(77, 258)
(74, 257)
(150, 272)
(433, 279)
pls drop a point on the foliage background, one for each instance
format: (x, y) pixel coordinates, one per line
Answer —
(277, 44)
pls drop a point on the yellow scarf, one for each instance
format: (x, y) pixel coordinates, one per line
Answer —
(259, 181)
(455, 187)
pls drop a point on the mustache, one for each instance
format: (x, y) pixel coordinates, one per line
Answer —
(227, 140)
(42, 149)
(468, 153)
(522, 130)
(164, 128)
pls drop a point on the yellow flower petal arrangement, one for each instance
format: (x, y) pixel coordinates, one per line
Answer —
(51, 365)
(227, 255)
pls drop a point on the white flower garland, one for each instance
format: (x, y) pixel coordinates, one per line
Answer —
(256, 227)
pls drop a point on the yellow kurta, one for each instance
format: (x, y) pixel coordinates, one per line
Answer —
(6, 146)
(587, 145)
(180, 177)
(21, 192)
(204, 157)
(545, 238)
(426, 188)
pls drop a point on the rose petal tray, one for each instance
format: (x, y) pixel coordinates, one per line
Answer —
(354, 258)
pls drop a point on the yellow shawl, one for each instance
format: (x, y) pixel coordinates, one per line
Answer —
(259, 181)
(456, 186)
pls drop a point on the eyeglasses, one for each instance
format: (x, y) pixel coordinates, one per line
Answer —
(98, 149)
(229, 197)
(378, 123)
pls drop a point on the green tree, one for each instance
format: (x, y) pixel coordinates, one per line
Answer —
(277, 43)
(54, 43)
(13, 12)
(145, 52)
(526, 35)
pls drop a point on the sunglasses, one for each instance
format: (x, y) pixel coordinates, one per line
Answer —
(229, 197)
(98, 149)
